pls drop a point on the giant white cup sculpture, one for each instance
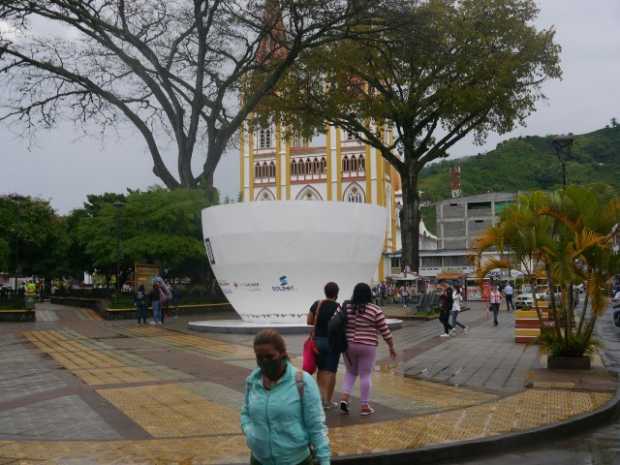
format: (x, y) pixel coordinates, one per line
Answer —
(272, 259)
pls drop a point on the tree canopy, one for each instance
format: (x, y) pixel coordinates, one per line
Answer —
(529, 163)
(34, 235)
(440, 71)
(157, 226)
(173, 69)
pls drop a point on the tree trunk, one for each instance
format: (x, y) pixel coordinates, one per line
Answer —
(554, 307)
(410, 219)
(536, 307)
(205, 182)
(184, 165)
(583, 312)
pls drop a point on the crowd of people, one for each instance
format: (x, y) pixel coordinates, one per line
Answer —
(284, 412)
(386, 293)
(161, 298)
(283, 415)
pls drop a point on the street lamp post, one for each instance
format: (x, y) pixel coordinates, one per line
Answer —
(118, 206)
(562, 146)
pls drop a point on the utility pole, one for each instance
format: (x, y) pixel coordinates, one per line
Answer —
(118, 206)
(562, 146)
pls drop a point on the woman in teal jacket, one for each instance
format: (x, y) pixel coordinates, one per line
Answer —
(282, 417)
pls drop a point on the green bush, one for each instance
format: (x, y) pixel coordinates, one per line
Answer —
(571, 346)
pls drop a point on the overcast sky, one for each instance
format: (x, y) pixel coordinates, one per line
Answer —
(64, 167)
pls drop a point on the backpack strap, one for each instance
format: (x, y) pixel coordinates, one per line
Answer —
(299, 381)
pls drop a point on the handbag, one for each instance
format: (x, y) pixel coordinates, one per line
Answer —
(310, 349)
(337, 330)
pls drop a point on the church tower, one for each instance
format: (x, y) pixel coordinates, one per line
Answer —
(334, 166)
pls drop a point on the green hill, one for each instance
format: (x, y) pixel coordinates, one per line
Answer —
(528, 163)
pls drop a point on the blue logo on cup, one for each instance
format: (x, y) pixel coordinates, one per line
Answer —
(284, 285)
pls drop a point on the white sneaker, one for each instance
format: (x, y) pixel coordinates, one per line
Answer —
(152, 322)
(445, 335)
(453, 332)
(466, 330)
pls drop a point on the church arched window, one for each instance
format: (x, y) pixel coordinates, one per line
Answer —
(354, 194)
(265, 195)
(265, 138)
(362, 164)
(323, 165)
(354, 163)
(345, 164)
(309, 193)
(272, 170)
(293, 168)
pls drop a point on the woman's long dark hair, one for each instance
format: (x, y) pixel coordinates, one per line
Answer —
(362, 295)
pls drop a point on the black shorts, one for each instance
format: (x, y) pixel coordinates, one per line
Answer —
(326, 360)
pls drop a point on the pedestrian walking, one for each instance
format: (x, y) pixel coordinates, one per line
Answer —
(154, 297)
(495, 299)
(404, 296)
(383, 292)
(327, 360)
(457, 299)
(364, 321)
(140, 304)
(282, 417)
(508, 292)
(445, 307)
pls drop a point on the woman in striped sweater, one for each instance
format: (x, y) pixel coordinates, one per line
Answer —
(364, 321)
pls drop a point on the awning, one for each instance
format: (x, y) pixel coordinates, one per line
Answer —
(403, 277)
(447, 275)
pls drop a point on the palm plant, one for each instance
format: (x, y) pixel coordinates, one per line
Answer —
(521, 238)
(567, 234)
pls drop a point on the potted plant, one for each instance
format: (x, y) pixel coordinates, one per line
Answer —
(567, 237)
(567, 353)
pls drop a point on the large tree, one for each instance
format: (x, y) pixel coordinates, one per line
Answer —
(34, 235)
(171, 68)
(442, 70)
(157, 226)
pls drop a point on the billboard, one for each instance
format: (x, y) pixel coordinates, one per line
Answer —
(144, 274)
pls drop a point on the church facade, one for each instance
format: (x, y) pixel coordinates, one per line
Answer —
(334, 166)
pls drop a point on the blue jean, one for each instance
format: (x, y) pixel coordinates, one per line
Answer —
(141, 310)
(156, 311)
(455, 321)
(326, 360)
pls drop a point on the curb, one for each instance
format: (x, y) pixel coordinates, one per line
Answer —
(459, 451)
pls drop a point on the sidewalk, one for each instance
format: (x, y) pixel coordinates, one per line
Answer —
(78, 390)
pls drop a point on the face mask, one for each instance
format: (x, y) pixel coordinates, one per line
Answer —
(271, 368)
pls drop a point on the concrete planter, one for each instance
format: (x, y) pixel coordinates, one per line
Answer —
(568, 363)
(17, 315)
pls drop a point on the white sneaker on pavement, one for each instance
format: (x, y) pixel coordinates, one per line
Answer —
(445, 335)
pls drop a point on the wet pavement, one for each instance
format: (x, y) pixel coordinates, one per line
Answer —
(78, 390)
(600, 446)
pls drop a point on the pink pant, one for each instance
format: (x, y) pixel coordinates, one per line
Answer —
(359, 361)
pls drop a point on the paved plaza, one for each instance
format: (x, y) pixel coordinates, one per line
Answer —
(79, 390)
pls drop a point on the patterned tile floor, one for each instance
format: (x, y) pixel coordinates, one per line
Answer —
(78, 390)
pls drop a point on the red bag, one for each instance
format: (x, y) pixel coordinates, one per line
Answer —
(309, 356)
(310, 349)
